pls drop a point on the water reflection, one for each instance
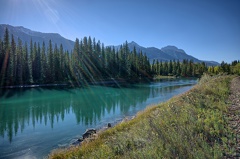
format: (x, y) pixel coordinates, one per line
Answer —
(34, 107)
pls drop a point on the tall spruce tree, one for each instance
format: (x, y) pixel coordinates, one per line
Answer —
(5, 60)
(20, 63)
(43, 67)
(31, 57)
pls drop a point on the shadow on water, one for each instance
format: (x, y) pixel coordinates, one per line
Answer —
(10, 91)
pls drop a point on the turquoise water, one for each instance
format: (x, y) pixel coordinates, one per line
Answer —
(35, 121)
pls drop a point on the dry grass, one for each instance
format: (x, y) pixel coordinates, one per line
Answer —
(191, 125)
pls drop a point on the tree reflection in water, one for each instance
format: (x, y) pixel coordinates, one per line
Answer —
(46, 106)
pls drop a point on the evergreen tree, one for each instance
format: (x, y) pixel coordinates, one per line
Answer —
(1, 59)
(31, 62)
(34, 63)
(161, 68)
(43, 68)
(61, 63)
(56, 65)
(20, 63)
(11, 73)
(174, 70)
(178, 68)
(50, 63)
(26, 74)
(5, 59)
(165, 68)
(170, 67)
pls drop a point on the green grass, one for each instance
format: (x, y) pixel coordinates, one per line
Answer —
(191, 125)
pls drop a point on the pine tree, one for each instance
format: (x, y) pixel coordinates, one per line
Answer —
(5, 60)
(38, 63)
(103, 61)
(77, 61)
(20, 63)
(61, 63)
(1, 60)
(56, 64)
(178, 68)
(50, 63)
(34, 63)
(26, 74)
(170, 67)
(165, 68)
(31, 62)
(11, 73)
(43, 67)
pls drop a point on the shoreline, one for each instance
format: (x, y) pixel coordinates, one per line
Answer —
(164, 124)
(102, 127)
(112, 82)
(78, 141)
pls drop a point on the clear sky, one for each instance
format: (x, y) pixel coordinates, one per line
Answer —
(205, 29)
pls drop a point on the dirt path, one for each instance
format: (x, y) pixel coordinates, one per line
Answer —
(234, 114)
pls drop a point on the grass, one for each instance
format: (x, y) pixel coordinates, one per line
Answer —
(191, 125)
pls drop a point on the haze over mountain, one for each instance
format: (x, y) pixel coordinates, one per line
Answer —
(164, 54)
(26, 35)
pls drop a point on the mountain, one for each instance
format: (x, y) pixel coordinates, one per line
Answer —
(178, 53)
(26, 35)
(166, 53)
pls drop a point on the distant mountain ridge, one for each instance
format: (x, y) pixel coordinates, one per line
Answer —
(26, 35)
(164, 54)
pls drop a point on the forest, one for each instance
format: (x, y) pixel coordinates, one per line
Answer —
(233, 68)
(89, 61)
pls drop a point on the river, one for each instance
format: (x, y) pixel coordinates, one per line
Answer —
(34, 121)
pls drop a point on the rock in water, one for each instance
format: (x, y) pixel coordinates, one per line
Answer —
(80, 140)
(88, 133)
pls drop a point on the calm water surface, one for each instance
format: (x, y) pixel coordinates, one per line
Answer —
(35, 121)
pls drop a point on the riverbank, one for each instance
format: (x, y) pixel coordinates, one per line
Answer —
(110, 82)
(194, 124)
(160, 77)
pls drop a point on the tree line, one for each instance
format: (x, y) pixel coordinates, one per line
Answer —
(186, 68)
(233, 68)
(89, 61)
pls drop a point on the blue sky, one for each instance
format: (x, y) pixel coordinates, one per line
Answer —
(205, 29)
